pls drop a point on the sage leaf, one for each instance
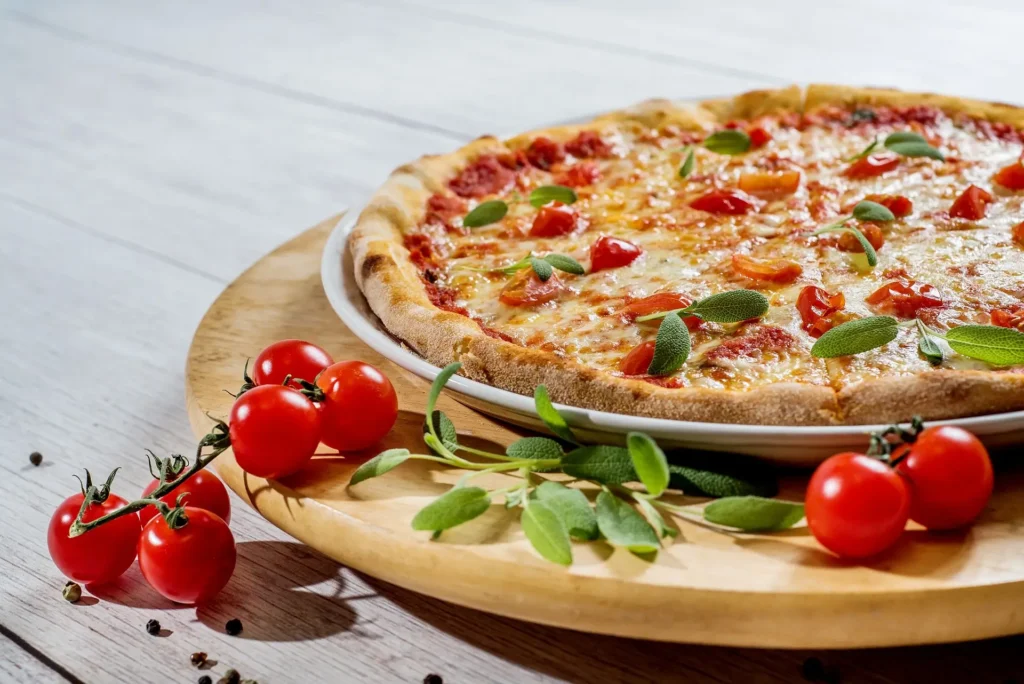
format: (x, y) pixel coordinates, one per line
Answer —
(485, 214)
(437, 385)
(856, 336)
(866, 210)
(572, 508)
(865, 152)
(546, 533)
(729, 307)
(443, 429)
(565, 263)
(454, 507)
(927, 345)
(541, 268)
(655, 519)
(728, 142)
(602, 463)
(535, 449)
(754, 513)
(904, 137)
(718, 475)
(869, 250)
(621, 525)
(379, 464)
(671, 347)
(687, 168)
(512, 269)
(552, 193)
(552, 418)
(988, 343)
(916, 149)
(649, 462)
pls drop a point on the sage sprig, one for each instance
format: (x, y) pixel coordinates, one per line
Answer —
(688, 163)
(865, 210)
(729, 141)
(541, 266)
(904, 143)
(493, 211)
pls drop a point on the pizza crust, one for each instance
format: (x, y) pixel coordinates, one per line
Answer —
(393, 288)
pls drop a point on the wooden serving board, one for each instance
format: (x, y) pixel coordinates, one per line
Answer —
(779, 591)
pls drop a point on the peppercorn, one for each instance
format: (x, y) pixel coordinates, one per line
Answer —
(198, 658)
(205, 679)
(153, 627)
(230, 677)
(233, 627)
(433, 679)
(35, 458)
(72, 592)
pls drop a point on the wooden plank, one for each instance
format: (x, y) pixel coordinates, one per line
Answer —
(18, 665)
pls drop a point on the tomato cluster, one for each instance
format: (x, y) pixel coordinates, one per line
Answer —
(858, 505)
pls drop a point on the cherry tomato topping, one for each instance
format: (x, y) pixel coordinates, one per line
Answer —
(1018, 233)
(296, 358)
(1009, 318)
(578, 175)
(872, 165)
(770, 185)
(731, 202)
(905, 297)
(526, 289)
(1011, 177)
(544, 153)
(755, 341)
(759, 137)
(971, 204)
(103, 553)
(486, 176)
(588, 144)
(274, 431)
(189, 564)
(611, 252)
(662, 301)
(849, 243)
(899, 205)
(554, 219)
(767, 270)
(443, 208)
(950, 477)
(856, 505)
(638, 360)
(359, 408)
(816, 307)
(205, 490)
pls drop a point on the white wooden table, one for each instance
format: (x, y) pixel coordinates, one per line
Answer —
(149, 151)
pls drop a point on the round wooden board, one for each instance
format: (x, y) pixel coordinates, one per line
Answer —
(778, 591)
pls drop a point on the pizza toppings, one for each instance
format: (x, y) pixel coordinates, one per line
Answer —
(580, 175)
(486, 176)
(444, 208)
(816, 307)
(770, 185)
(730, 141)
(1009, 318)
(527, 289)
(662, 301)
(905, 297)
(730, 202)
(971, 204)
(764, 338)
(544, 153)
(611, 252)
(849, 242)
(638, 360)
(1011, 177)
(759, 137)
(779, 271)
(554, 219)
(588, 144)
(899, 205)
(872, 166)
(1018, 233)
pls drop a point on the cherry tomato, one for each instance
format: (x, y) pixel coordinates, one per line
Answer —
(189, 564)
(205, 490)
(872, 165)
(770, 185)
(899, 205)
(1011, 177)
(1009, 318)
(588, 144)
(759, 137)
(274, 431)
(971, 204)
(103, 553)
(359, 408)
(871, 231)
(950, 477)
(661, 301)
(856, 505)
(816, 307)
(732, 202)
(610, 252)
(290, 357)
(768, 270)
(1018, 233)
(527, 289)
(638, 360)
(544, 153)
(554, 219)
(579, 175)
(905, 297)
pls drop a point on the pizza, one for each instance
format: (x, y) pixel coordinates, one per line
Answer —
(802, 256)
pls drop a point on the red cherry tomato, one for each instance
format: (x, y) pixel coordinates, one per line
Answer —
(759, 137)
(527, 289)
(768, 270)
(971, 204)
(274, 431)
(905, 297)
(554, 219)
(856, 505)
(1009, 318)
(816, 307)
(950, 477)
(189, 564)
(360, 405)
(638, 360)
(662, 301)
(204, 490)
(872, 165)
(610, 252)
(1018, 233)
(731, 202)
(579, 175)
(770, 185)
(899, 205)
(296, 358)
(544, 153)
(103, 553)
(871, 231)
(1011, 177)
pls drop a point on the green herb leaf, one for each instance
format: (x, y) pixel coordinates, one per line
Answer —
(552, 193)
(535, 449)
(541, 268)
(717, 475)
(869, 250)
(729, 307)
(621, 525)
(988, 343)
(671, 347)
(856, 336)
(754, 513)
(379, 464)
(435, 388)
(649, 462)
(916, 149)
(904, 137)
(485, 214)
(687, 168)
(866, 210)
(865, 152)
(552, 418)
(512, 269)
(728, 142)
(601, 463)
(571, 507)
(454, 507)
(443, 429)
(927, 345)
(565, 263)
(546, 533)
(655, 519)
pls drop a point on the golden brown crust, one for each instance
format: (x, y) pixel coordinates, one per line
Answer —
(395, 292)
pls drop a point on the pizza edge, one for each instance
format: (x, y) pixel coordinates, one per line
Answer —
(392, 286)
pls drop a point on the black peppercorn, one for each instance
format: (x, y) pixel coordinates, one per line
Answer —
(153, 627)
(198, 658)
(433, 679)
(72, 592)
(35, 458)
(233, 627)
(205, 679)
